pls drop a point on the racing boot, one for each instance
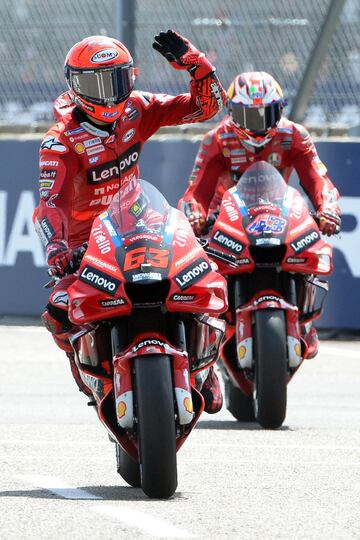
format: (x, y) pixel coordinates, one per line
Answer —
(58, 329)
(211, 392)
(312, 341)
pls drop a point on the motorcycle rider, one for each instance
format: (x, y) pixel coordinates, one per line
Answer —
(256, 130)
(93, 148)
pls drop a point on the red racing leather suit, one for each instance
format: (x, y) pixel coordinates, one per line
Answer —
(83, 166)
(223, 157)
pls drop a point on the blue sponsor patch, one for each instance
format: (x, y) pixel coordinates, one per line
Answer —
(74, 131)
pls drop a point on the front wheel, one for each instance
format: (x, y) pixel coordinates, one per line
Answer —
(156, 425)
(271, 373)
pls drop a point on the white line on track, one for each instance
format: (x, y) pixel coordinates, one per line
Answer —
(57, 486)
(133, 518)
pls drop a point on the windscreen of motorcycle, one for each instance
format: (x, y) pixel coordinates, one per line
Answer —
(261, 184)
(139, 208)
(139, 214)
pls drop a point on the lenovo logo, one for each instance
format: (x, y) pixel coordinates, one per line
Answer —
(228, 242)
(302, 243)
(193, 273)
(99, 280)
(114, 169)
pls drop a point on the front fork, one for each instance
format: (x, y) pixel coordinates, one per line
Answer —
(149, 344)
(244, 318)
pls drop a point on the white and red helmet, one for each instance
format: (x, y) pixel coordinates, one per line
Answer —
(255, 106)
(100, 74)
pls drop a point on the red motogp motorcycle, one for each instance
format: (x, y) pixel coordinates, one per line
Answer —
(143, 303)
(270, 249)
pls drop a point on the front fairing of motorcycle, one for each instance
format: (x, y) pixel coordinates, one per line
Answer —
(143, 252)
(263, 221)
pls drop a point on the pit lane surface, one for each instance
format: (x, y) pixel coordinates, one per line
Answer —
(58, 476)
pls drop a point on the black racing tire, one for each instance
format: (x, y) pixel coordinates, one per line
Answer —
(127, 467)
(156, 425)
(271, 372)
(238, 404)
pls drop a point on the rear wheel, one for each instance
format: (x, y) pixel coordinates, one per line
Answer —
(127, 467)
(238, 404)
(156, 425)
(271, 373)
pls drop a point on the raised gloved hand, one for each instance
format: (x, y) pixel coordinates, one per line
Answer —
(180, 52)
(59, 257)
(195, 214)
(329, 220)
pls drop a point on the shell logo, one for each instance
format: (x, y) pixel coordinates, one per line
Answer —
(241, 352)
(121, 409)
(297, 349)
(79, 148)
(188, 405)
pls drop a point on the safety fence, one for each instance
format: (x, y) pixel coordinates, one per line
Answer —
(237, 35)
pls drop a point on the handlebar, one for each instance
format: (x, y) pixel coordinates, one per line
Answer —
(72, 267)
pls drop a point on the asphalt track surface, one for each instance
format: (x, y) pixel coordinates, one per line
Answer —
(58, 477)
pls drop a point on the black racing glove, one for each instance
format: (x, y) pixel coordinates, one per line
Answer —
(179, 51)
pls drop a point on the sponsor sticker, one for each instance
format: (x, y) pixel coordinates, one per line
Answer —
(108, 114)
(79, 148)
(92, 142)
(47, 174)
(110, 139)
(274, 159)
(103, 282)
(228, 242)
(112, 169)
(193, 273)
(46, 231)
(148, 343)
(226, 152)
(106, 55)
(128, 135)
(183, 297)
(113, 303)
(95, 150)
(267, 242)
(60, 298)
(46, 184)
(51, 143)
(146, 275)
(303, 242)
(296, 260)
(48, 163)
(267, 298)
(74, 131)
(100, 262)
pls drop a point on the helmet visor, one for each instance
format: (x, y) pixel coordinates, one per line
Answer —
(103, 86)
(256, 119)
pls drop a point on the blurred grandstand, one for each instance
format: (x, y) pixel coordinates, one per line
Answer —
(237, 35)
